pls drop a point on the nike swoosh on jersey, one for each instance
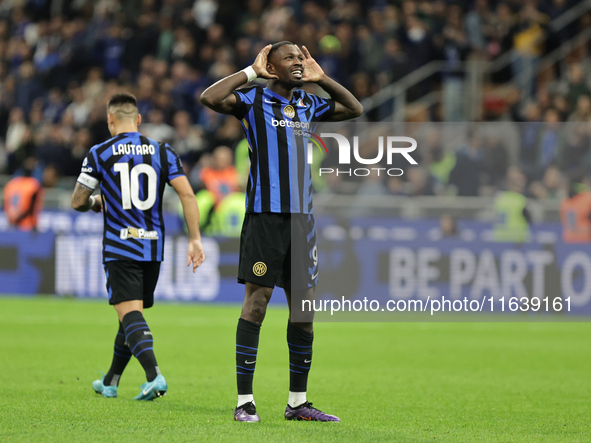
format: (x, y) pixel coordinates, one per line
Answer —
(250, 362)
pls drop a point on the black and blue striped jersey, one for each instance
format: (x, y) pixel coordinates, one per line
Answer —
(132, 171)
(280, 179)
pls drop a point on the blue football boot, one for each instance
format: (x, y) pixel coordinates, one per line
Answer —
(106, 391)
(153, 389)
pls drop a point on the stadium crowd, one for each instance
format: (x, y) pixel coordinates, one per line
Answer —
(60, 61)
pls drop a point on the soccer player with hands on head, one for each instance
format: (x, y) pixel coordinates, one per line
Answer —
(132, 171)
(278, 240)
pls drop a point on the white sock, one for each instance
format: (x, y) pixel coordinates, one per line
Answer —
(245, 399)
(296, 399)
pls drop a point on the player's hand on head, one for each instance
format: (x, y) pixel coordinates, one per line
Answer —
(312, 70)
(195, 254)
(260, 64)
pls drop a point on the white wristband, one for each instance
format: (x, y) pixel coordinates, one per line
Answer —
(91, 200)
(250, 74)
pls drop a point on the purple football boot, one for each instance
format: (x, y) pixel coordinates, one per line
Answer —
(306, 412)
(247, 412)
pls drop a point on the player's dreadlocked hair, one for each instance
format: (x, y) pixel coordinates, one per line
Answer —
(123, 105)
(278, 45)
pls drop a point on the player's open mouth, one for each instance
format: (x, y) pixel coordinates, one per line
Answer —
(297, 73)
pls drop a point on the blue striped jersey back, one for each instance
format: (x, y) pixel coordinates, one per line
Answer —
(132, 171)
(280, 179)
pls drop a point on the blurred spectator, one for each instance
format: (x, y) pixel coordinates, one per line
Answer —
(94, 86)
(23, 198)
(59, 69)
(188, 140)
(501, 28)
(576, 85)
(229, 132)
(527, 41)
(467, 174)
(229, 215)
(51, 177)
(394, 64)
(582, 112)
(512, 218)
(28, 87)
(440, 163)
(81, 143)
(448, 226)
(395, 185)
(419, 182)
(549, 142)
(551, 187)
(455, 52)
(113, 48)
(370, 50)
(80, 108)
(575, 156)
(16, 130)
(476, 25)
(530, 133)
(372, 184)
(156, 128)
(575, 213)
(52, 149)
(221, 178)
(416, 40)
(55, 106)
(496, 159)
(560, 104)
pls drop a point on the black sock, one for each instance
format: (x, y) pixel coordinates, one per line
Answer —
(300, 357)
(247, 343)
(139, 340)
(121, 356)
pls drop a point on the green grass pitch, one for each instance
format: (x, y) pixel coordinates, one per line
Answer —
(491, 382)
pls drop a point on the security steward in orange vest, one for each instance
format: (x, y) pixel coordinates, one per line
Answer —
(575, 215)
(23, 200)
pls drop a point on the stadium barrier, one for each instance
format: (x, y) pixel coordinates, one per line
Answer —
(391, 259)
(386, 260)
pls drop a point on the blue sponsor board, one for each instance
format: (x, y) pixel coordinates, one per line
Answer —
(65, 258)
(26, 262)
(381, 258)
(385, 260)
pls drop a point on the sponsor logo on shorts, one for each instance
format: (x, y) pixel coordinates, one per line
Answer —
(138, 233)
(259, 269)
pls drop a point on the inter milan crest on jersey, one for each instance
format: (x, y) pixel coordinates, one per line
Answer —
(289, 112)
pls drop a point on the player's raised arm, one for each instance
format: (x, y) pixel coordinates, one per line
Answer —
(195, 252)
(219, 96)
(347, 106)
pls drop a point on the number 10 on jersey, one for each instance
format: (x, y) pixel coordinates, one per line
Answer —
(130, 186)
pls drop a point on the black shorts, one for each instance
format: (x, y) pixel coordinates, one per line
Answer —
(269, 257)
(132, 280)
